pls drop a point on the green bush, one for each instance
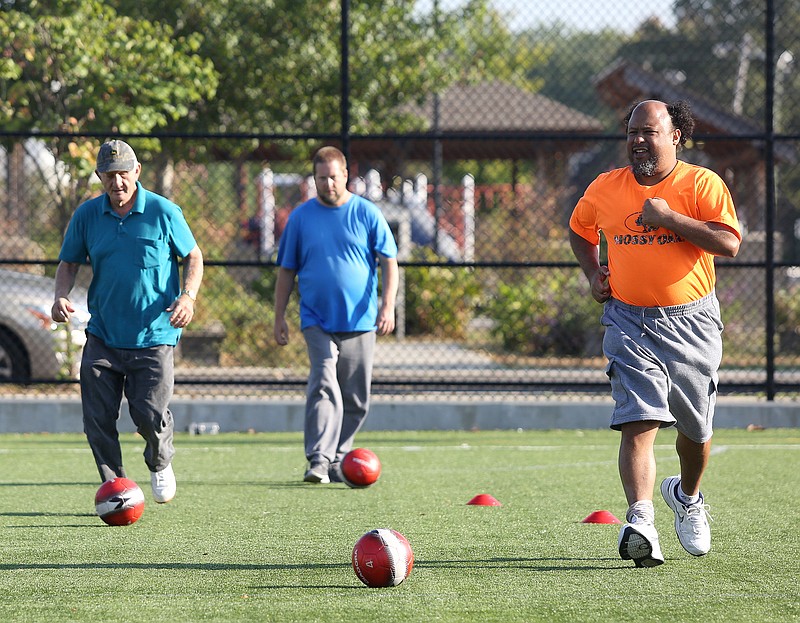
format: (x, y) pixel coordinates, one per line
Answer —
(550, 313)
(248, 317)
(440, 300)
(787, 318)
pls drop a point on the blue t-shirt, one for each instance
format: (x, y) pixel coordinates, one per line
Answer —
(335, 254)
(134, 262)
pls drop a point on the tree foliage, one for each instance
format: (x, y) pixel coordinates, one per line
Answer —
(255, 66)
(83, 68)
(478, 44)
(575, 58)
(279, 62)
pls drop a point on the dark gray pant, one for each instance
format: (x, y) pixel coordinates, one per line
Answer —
(146, 377)
(337, 398)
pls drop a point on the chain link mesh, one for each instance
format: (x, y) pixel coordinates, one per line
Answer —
(519, 107)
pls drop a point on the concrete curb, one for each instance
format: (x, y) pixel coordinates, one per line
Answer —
(63, 415)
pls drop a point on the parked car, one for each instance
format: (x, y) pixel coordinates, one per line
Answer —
(32, 346)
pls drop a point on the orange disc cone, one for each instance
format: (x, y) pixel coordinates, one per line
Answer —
(601, 517)
(484, 499)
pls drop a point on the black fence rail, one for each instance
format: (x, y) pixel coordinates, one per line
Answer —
(474, 125)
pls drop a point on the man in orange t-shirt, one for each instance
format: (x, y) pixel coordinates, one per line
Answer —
(664, 221)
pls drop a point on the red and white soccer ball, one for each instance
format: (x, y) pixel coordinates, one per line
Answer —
(382, 558)
(360, 468)
(119, 502)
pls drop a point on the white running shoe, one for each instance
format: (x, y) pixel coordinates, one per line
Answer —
(638, 541)
(691, 520)
(163, 484)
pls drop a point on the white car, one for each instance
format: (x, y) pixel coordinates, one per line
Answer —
(32, 346)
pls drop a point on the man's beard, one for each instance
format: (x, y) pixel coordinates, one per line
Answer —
(328, 199)
(648, 168)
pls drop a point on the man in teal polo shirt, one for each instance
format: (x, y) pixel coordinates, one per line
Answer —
(132, 238)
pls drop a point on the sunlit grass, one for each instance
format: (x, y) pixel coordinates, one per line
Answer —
(246, 540)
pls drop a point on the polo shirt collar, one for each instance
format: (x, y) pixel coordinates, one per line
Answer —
(138, 202)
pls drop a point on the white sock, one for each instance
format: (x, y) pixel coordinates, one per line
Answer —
(687, 499)
(643, 509)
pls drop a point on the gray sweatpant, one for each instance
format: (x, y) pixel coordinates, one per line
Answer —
(146, 377)
(337, 397)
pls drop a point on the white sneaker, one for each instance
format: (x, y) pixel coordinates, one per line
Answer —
(638, 541)
(163, 484)
(691, 520)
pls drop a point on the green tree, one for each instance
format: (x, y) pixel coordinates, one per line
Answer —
(576, 58)
(718, 49)
(279, 62)
(478, 45)
(83, 68)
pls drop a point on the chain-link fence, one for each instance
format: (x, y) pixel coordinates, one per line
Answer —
(474, 125)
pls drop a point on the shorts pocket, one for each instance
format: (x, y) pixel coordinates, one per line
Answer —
(610, 368)
(714, 319)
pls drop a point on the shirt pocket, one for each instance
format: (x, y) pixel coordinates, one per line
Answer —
(150, 253)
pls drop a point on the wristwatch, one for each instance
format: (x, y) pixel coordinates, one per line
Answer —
(192, 294)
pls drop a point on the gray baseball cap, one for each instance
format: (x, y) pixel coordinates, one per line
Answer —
(116, 155)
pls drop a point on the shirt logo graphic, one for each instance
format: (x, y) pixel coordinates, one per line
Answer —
(634, 223)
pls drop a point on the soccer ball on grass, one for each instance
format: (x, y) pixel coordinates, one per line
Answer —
(119, 502)
(360, 468)
(382, 557)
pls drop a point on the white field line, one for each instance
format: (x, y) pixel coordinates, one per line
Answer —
(438, 448)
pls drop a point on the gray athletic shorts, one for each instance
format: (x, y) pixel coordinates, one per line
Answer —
(663, 363)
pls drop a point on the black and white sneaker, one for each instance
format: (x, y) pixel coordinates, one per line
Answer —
(638, 541)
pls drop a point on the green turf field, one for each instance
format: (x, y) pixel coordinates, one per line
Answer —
(246, 540)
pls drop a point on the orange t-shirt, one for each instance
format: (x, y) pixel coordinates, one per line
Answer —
(654, 267)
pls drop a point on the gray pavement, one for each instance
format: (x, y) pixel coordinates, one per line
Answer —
(63, 414)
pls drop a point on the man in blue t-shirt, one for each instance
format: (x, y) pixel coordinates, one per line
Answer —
(333, 244)
(132, 238)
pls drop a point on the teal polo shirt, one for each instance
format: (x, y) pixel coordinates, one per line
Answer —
(134, 261)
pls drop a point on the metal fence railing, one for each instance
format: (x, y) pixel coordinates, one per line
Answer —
(474, 124)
